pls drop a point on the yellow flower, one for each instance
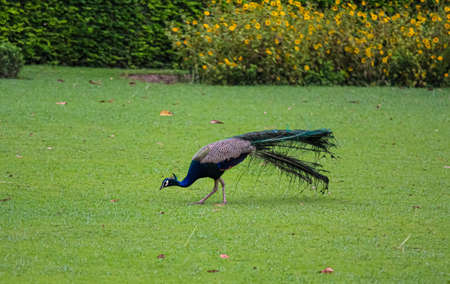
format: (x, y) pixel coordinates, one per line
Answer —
(206, 14)
(446, 75)
(277, 41)
(356, 50)
(363, 60)
(175, 29)
(194, 22)
(257, 26)
(240, 58)
(440, 58)
(268, 51)
(297, 41)
(274, 13)
(227, 62)
(306, 68)
(297, 48)
(246, 41)
(201, 54)
(385, 59)
(436, 40)
(420, 51)
(258, 36)
(337, 2)
(178, 43)
(350, 69)
(204, 67)
(373, 16)
(232, 28)
(247, 27)
(267, 22)
(206, 26)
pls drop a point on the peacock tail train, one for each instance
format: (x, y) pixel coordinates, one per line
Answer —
(274, 147)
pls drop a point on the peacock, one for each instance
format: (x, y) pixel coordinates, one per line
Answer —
(271, 146)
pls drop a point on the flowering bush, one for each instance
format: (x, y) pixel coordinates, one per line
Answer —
(288, 43)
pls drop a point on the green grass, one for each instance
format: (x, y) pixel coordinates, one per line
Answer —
(386, 219)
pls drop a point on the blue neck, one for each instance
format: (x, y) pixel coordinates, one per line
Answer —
(187, 181)
(194, 173)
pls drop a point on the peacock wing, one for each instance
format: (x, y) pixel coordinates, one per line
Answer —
(223, 150)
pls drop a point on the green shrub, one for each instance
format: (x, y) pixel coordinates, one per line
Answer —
(11, 60)
(94, 33)
(288, 43)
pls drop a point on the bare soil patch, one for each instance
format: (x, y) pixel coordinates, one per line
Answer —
(159, 78)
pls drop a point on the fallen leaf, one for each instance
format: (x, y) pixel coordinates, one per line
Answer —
(132, 83)
(61, 103)
(19, 156)
(161, 256)
(216, 122)
(114, 200)
(161, 212)
(354, 102)
(289, 108)
(95, 82)
(213, 271)
(60, 80)
(224, 256)
(378, 106)
(165, 113)
(446, 167)
(219, 205)
(49, 148)
(106, 101)
(31, 134)
(416, 207)
(5, 199)
(327, 270)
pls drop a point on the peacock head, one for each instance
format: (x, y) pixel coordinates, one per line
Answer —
(169, 182)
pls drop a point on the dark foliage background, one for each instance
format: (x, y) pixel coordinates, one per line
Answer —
(127, 33)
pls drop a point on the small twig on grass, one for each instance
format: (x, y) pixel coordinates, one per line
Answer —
(190, 236)
(403, 243)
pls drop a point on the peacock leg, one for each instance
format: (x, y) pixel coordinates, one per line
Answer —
(223, 190)
(201, 201)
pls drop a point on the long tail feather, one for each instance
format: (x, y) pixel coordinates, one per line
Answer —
(273, 147)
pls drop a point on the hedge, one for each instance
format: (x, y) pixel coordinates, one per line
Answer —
(127, 33)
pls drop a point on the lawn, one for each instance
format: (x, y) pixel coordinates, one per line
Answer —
(80, 199)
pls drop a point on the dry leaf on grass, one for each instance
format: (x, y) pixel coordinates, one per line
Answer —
(60, 81)
(327, 270)
(165, 113)
(95, 82)
(114, 200)
(216, 122)
(5, 199)
(19, 156)
(213, 271)
(61, 103)
(224, 256)
(106, 101)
